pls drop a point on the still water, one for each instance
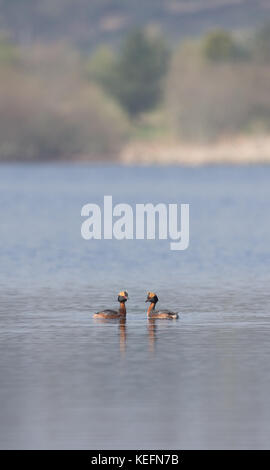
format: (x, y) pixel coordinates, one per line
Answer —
(202, 381)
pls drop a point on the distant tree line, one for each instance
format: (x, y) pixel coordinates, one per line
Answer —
(209, 87)
(134, 76)
(56, 102)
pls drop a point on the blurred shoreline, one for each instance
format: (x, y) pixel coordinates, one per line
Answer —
(242, 150)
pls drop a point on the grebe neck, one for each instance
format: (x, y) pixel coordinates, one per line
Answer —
(122, 308)
(151, 307)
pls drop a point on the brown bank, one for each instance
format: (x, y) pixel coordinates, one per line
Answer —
(242, 150)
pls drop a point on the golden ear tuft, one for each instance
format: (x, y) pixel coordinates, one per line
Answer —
(123, 293)
(150, 295)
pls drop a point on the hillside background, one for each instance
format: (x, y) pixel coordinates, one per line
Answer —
(87, 23)
(138, 82)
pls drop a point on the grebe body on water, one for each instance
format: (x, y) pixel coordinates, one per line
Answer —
(153, 313)
(120, 313)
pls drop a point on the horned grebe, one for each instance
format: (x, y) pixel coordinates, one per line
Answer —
(122, 298)
(152, 313)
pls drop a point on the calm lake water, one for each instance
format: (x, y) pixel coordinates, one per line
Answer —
(70, 382)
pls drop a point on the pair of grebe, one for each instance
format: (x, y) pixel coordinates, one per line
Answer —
(151, 312)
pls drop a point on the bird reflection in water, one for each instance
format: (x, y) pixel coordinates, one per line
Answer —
(152, 330)
(122, 335)
(122, 330)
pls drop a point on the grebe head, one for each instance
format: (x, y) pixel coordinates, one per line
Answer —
(122, 296)
(152, 298)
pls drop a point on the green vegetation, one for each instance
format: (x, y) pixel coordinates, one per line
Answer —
(261, 46)
(141, 68)
(9, 54)
(220, 46)
(57, 103)
(134, 75)
(50, 111)
(102, 69)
